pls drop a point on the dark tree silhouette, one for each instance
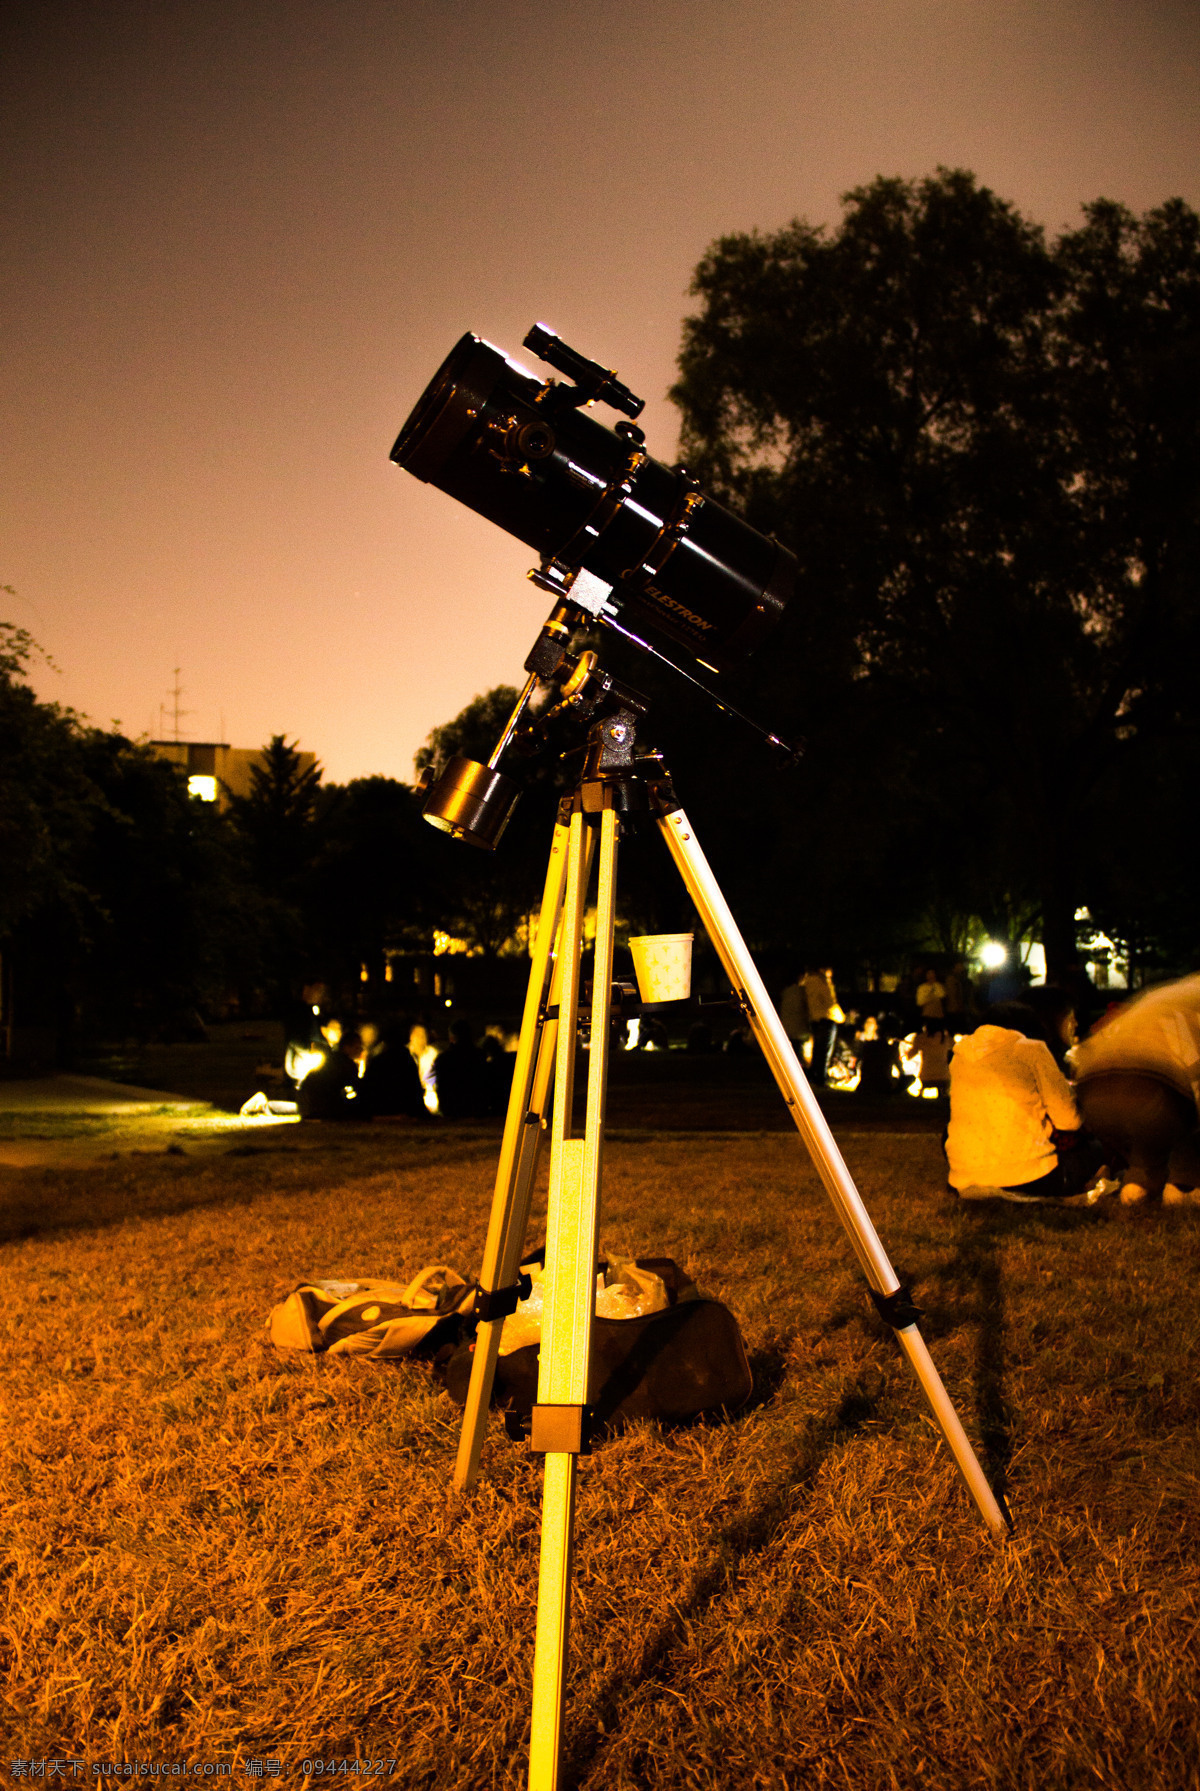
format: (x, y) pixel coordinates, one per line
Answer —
(984, 451)
(278, 818)
(377, 881)
(122, 908)
(281, 829)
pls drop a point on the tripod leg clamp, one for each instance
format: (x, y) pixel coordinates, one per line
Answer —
(561, 1430)
(501, 1301)
(896, 1309)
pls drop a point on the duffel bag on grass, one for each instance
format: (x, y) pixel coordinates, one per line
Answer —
(373, 1318)
(679, 1362)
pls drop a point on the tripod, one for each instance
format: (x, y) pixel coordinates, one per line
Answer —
(613, 783)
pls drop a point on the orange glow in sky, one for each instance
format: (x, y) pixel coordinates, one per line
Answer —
(240, 236)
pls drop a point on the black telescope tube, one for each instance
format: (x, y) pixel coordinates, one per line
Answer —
(521, 452)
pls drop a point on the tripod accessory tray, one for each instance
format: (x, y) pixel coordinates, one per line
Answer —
(501, 1302)
(896, 1309)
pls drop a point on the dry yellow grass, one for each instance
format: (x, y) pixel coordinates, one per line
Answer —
(219, 1554)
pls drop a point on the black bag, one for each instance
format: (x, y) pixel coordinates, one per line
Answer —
(673, 1365)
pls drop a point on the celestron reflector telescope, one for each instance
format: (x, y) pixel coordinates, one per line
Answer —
(623, 540)
(525, 453)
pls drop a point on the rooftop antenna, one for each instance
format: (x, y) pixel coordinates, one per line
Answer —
(177, 714)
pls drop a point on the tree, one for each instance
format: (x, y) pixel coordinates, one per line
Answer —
(984, 452)
(47, 804)
(120, 905)
(376, 882)
(278, 818)
(170, 923)
(280, 827)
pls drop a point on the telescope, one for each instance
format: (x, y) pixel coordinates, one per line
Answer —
(599, 510)
(623, 539)
(632, 544)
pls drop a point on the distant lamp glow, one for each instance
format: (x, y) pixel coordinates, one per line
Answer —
(448, 944)
(992, 954)
(204, 789)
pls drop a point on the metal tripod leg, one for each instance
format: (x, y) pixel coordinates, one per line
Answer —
(811, 1123)
(572, 1226)
(519, 1150)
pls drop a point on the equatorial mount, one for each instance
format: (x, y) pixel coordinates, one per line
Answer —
(474, 801)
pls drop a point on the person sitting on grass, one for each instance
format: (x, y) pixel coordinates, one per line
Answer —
(932, 1047)
(390, 1083)
(1139, 1089)
(1009, 1101)
(331, 1088)
(876, 1062)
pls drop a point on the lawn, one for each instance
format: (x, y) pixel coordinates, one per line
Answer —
(218, 1553)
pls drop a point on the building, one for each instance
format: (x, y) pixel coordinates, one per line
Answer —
(215, 772)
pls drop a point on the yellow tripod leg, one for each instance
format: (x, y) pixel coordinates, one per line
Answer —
(572, 1230)
(811, 1123)
(518, 1158)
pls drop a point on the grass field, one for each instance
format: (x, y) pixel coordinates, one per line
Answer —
(216, 1553)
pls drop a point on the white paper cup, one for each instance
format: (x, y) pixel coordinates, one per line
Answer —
(662, 963)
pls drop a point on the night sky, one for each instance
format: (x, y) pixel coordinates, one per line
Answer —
(240, 236)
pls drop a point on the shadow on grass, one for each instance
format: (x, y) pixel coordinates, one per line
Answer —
(768, 1368)
(38, 1202)
(745, 1536)
(972, 1278)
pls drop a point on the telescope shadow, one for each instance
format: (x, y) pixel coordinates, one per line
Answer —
(742, 1538)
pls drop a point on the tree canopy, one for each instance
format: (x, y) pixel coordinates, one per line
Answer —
(120, 902)
(984, 449)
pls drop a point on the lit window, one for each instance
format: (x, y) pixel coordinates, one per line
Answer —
(204, 789)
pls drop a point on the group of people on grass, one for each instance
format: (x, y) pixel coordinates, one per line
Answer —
(878, 1051)
(1036, 1114)
(367, 1069)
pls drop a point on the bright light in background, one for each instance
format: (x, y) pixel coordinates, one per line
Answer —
(302, 1063)
(445, 944)
(992, 954)
(204, 789)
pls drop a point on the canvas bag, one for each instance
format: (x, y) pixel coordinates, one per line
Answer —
(384, 1319)
(681, 1362)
